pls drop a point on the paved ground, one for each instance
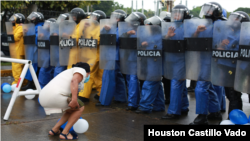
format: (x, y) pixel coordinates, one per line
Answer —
(28, 121)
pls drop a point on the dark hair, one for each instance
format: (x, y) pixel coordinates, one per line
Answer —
(82, 65)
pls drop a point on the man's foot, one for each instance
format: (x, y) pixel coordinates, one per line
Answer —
(214, 116)
(29, 85)
(190, 89)
(170, 116)
(117, 102)
(83, 99)
(200, 120)
(97, 97)
(223, 111)
(138, 111)
(185, 112)
(68, 136)
(98, 104)
(130, 108)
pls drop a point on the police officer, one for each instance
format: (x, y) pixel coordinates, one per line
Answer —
(36, 18)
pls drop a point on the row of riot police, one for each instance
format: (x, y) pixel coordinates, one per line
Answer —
(213, 51)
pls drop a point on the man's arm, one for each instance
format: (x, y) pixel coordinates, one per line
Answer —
(77, 78)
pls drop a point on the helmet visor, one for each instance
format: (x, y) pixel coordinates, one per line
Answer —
(94, 16)
(132, 17)
(62, 17)
(32, 17)
(177, 15)
(235, 17)
(116, 15)
(165, 14)
(153, 21)
(207, 10)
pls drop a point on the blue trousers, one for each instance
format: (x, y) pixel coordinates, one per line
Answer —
(45, 75)
(178, 97)
(28, 74)
(133, 90)
(113, 84)
(59, 69)
(206, 98)
(221, 97)
(152, 97)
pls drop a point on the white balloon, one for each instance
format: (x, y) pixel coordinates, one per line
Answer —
(227, 122)
(81, 126)
(13, 87)
(247, 124)
(29, 96)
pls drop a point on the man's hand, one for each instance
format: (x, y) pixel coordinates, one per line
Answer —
(107, 27)
(171, 33)
(201, 28)
(74, 105)
(225, 42)
(131, 32)
(144, 43)
(25, 30)
(54, 34)
(40, 35)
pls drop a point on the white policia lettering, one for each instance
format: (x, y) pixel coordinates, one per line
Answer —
(87, 43)
(149, 53)
(67, 43)
(5, 44)
(225, 54)
(245, 53)
(9, 39)
(41, 44)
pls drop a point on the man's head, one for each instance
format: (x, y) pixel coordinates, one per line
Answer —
(78, 14)
(84, 66)
(179, 13)
(211, 10)
(118, 15)
(17, 18)
(35, 17)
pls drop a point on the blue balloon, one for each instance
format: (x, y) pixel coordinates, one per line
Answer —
(7, 88)
(38, 101)
(249, 119)
(63, 126)
(238, 117)
(3, 85)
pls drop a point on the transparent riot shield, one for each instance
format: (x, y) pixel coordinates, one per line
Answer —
(108, 29)
(128, 47)
(89, 31)
(67, 43)
(198, 48)
(225, 53)
(43, 45)
(242, 76)
(149, 53)
(54, 44)
(10, 39)
(29, 38)
(174, 50)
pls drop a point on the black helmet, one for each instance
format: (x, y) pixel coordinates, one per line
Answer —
(166, 16)
(35, 17)
(179, 13)
(240, 16)
(98, 15)
(155, 20)
(17, 18)
(136, 16)
(119, 14)
(62, 17)
(212, 10)
(79, 14)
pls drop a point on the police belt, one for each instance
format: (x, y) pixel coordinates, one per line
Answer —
(199, 44)
(175, 46)
(128, 43)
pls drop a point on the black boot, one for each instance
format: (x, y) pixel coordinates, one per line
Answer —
(98, 104)
(83, 99)
(29, 85)
(97, 97)
(215, 116)
(200, 120)
(130, 108)
(170, 116)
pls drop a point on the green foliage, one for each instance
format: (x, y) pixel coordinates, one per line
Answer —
(105, 6)
(195, 11)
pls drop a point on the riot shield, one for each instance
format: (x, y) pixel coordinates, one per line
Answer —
(67, 43)
(89, 32)
(225, 53)
(242, 76)
(149, 53)
(174, 50)
(198, 48)
(10, 39)
(54, 44)
(43, 46)
(29, 38)
(108, 29)
(128, 47)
